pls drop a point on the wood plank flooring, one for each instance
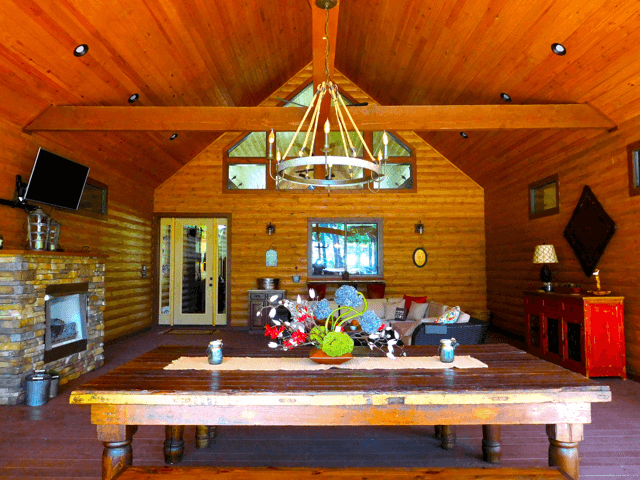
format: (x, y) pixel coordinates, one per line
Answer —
(57, 440)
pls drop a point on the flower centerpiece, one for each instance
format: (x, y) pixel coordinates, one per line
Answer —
(315, 323)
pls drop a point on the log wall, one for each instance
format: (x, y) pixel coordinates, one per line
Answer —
(599, 161)
(125, 237)
(450, 205)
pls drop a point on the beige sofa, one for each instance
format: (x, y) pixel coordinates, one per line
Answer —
(429, 312)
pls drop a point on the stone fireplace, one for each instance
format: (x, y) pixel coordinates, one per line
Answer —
(51, 317)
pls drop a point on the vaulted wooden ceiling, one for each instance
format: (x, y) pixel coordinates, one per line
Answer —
(236, 53)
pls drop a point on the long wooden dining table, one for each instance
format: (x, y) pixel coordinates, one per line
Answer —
(516, 388)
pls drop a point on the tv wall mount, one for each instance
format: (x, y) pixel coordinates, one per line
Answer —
(18, 197)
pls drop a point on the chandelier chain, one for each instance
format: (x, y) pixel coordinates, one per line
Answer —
(327, 50)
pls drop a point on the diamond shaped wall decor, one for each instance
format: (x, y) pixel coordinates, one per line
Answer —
(589, 231)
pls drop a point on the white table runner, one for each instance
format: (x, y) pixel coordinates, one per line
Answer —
(356, 363)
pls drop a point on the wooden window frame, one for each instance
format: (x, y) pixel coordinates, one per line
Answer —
(89, 213)
(538, 184)
(634, 168)
(269, 184)
(379, 221)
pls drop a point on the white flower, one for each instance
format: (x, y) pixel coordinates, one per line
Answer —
(391, 355)
(277, 322)
(272, 345)
(272, 312)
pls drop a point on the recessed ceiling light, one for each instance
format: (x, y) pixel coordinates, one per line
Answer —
(464, 135)
(134, 97)
(173, 137)
(81, 50)
(558, 49)
(505, 97)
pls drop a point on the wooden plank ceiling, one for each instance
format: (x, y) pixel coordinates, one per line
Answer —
(401, 52)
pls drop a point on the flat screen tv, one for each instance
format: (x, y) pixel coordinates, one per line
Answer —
(56, 181)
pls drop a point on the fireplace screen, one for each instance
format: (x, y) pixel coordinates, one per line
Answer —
(66, 320)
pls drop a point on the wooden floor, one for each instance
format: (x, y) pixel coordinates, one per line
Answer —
(58, 441)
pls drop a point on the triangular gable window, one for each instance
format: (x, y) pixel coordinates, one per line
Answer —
(251, 146)
(304, 96)
(396, 147)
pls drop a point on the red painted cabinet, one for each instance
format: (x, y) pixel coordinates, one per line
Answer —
(580, 332)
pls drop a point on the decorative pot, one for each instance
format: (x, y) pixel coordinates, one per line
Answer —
(322, 358)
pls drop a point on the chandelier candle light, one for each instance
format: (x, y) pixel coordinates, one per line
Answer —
(285, 167)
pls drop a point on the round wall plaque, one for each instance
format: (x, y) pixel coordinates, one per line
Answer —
(420, 257)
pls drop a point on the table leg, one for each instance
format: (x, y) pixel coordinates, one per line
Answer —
(206, 436)
(118, 453)
(447, 434)
(491, 443)
(563, 447)
(173, 444)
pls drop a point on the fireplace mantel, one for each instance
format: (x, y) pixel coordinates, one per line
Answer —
(24, 278)
(82, 253)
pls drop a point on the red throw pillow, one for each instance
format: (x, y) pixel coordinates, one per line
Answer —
(409, 300)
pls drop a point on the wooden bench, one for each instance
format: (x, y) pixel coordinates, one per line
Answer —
(439, 473)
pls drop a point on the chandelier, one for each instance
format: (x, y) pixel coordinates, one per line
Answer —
(285, 167)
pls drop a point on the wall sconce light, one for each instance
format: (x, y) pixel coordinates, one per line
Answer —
(271, 228)
(419, 228)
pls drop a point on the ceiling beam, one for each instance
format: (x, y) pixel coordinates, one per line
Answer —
(239, 119)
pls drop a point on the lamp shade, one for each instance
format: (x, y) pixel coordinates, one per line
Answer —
(545, 254)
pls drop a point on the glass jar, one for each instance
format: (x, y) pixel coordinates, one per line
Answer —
(446, 350)
(214, 352)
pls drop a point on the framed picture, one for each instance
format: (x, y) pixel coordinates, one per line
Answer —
(420, 257)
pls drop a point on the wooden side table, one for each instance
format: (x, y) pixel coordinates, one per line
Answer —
(583, 333)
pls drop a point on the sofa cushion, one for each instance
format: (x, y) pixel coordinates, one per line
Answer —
(377, 306)
(436, 309)
(450, 316)
(390, 308)
(409, 300)
(417, 311)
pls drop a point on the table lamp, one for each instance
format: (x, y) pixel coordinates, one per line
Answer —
(545, 254)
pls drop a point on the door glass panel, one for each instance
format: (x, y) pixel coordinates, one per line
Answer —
(222, 266)
(165, 269)
(194, 251)
(534, 330)
(574, 345)
(553, 335)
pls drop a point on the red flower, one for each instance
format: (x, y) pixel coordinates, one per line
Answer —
(298, 337)
(272, 332)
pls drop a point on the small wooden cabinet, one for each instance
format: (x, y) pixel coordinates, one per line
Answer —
(259, 300)
(582, 333)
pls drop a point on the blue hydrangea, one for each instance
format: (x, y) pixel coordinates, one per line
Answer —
(347, 296)
(370, 322)
(322, 309)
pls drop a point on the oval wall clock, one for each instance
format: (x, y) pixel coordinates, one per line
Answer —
(420, 257)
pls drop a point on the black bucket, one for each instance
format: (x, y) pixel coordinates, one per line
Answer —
(38, 386)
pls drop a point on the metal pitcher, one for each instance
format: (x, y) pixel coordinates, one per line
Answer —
(446, 350)
(214, 352)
